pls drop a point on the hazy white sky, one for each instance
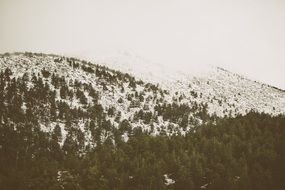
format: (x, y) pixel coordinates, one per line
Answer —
(244, 36)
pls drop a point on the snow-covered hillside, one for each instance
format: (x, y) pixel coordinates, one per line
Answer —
(224, 92)
(120, 95)
(212, 90)
(94, 104)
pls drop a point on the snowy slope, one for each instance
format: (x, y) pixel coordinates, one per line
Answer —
(115, 89)
(226, 93)
(166, 101)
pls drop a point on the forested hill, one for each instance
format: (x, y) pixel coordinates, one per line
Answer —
(70, 124)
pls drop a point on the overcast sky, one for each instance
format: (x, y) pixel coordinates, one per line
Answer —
(244, 36)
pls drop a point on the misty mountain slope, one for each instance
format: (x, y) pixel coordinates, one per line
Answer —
(225, 93)
(75, 90)
(222, 92)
